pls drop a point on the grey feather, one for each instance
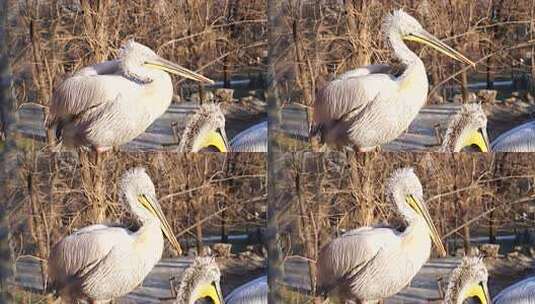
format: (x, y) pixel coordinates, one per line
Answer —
(252, 139)
(252, 292)
(519, 139)
(522, 292)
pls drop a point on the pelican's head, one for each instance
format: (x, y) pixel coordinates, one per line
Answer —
(468, 283)
(139, 195)
(205, 131)
(200, 282)
(405, 189)
(406, 27)
(136, 60)
(467, 130)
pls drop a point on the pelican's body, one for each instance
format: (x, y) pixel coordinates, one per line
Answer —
(99, 262)
(468, 283)
(253, 292)
(252, 139)
(205, 131)
(111, 103)
(368, 107)
(372, 263)
(522, 292)
(519, 139)
(467, 130)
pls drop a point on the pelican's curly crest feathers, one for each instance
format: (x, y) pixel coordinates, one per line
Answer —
(134, 182)
(203, 269)
(208, 117)
(400, 22)
(471, 271)
(405, 181)
(471, 116)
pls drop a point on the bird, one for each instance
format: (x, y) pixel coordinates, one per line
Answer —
(371, 263)
(468, 283)
(101, 262)
(522, 292)
(205, 131)
(467, 130)
(252, 292)
(518, 139)
(369, 106)
(110, 103)
(252, 139)
(201, 280)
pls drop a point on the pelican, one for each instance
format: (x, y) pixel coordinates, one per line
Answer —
(522, 292)
(252, 292)
(200, 281)
(467, 130)
(98, 263)
(252, 139)
(371, 263)
(368, 107)
(519, 139)
(468, 283)
(112, 102)
(205, 131)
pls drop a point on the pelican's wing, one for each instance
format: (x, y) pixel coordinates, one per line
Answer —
(350, 94)
(88, 90)
(519, 139)
(344, 257)
(253, 292)
(522, 292)
(253, 139)
(78, 254)
(367, 70)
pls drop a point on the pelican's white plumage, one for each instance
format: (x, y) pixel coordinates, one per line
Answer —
(252, 139)
(518, 139)
(253, 292)
(371, 263)
(522, 292)
(368, 107)
(111, 103)
(100, 262)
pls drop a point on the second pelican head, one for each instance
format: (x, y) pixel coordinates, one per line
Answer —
(201, 281)
(205, 131)
(407, 193)
(468, 282)
(467, 130)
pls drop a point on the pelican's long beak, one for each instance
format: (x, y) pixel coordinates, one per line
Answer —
(479, 291)
(430, 40)
(215, 139)
(479, 139)
(170, 67)
(152, 205)
(417, 206)
(210, 291)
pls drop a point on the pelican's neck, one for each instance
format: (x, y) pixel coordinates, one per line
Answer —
(415, 70)
(148, 244)
(416, 239)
